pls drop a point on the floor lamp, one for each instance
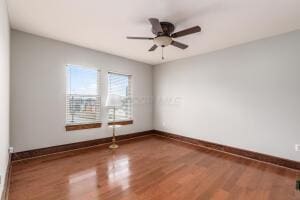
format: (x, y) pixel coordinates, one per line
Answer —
(113, 101)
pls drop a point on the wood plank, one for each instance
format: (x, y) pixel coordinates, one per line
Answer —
(150, 168)
(82, 126)
(128, 122)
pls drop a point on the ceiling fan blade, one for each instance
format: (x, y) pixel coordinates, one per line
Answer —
(139, 38)
(188, 31)
(156, 25)
(153, 47)
(179, 45)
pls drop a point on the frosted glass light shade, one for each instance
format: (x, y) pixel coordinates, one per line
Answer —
(162, 40)
(113, 100)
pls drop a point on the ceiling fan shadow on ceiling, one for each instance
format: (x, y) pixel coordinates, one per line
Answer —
(164, 35)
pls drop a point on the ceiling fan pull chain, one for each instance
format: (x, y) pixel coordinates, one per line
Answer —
(162, 53)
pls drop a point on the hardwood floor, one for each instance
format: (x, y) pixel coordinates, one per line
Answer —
(150, 167)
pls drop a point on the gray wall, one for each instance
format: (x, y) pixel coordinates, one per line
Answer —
(4, 90)
(246, 96)
(38, 91)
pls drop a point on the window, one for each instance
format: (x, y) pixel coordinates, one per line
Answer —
(82, 96)
(120, 84)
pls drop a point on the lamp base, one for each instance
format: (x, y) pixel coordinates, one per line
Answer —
(113, 146)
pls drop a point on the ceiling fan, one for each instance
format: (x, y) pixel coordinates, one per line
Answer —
(163, 32)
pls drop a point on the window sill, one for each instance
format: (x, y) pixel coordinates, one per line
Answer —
(82, 126)
(127, 122)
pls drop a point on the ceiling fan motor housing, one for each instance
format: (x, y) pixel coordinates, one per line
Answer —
(167, 28)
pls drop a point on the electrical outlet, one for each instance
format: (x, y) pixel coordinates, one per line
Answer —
(10, 149)
(297, 147)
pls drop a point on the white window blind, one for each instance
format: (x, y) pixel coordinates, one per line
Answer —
(82, 95)
(120, 84)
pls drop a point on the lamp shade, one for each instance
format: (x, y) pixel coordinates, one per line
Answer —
(113, 100)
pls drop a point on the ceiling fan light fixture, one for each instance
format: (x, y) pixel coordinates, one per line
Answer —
(162, 41)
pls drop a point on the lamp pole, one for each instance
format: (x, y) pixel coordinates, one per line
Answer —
(114, 145)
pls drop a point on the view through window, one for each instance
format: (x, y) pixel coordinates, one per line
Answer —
(120, 84)
(82, 95)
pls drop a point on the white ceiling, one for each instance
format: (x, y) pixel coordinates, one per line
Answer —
(104, 25)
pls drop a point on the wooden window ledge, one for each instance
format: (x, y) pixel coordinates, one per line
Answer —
(127, 122)
(82, 126)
